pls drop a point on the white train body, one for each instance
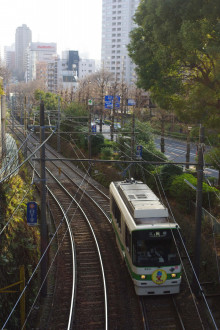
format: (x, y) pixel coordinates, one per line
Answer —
(145, 236)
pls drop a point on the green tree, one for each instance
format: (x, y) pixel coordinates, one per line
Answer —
(50, 99)
(176, 47)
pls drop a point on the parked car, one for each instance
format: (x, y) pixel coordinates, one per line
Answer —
(98, 121)
(116, 126)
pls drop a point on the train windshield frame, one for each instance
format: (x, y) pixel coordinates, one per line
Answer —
(155, 247)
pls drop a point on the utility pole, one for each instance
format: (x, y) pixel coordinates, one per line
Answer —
(198, 209)
(3, 118)
(58, 127)
(162, 145)
(13, 112)
(114, 89)
(89, 139)
(25, 127)
(188, 147)
(132, 142)
(43, 225)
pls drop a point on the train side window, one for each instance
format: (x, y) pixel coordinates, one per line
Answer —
(127, 239)
(116, 212)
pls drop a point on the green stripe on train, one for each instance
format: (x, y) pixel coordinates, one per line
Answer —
(134, 275)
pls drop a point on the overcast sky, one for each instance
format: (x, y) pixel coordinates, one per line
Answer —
(72, 24)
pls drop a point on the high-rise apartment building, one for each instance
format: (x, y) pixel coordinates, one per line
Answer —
(23, 37)
(117, 22)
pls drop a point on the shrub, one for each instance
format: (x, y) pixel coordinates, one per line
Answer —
(184, 193)
(167, 173)
(106, 153)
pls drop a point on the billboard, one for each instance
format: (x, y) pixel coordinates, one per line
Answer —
(43, 46)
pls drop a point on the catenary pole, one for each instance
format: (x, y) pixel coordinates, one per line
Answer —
(198, 210)
(43, 225)
(58, 127)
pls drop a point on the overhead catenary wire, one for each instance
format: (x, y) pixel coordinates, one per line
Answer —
(19, 166)
(139, 165)
(39, 262)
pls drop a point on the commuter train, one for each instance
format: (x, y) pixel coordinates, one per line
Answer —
(146, 238)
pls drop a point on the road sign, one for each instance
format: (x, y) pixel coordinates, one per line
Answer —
(32, 213)
(131, 102)
(90, 102)
(109, 99)
(139, 152)
(93, 128)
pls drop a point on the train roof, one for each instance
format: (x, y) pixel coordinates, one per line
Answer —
(144, 206)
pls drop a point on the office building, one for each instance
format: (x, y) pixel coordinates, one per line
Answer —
(23, 37)
(86, 67)
(9, 58)
(38, 54)
(70, 60)
(117, 23)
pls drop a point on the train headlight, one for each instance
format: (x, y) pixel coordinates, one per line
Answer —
(173, 275)
(143, 277)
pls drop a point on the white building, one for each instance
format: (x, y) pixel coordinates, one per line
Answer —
(9, 57)
(53, 74)
(116, 24)
(37, 54)
(86, 67)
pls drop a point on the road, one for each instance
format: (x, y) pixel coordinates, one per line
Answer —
(175, 150)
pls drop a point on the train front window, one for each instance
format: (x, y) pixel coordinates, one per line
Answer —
(154, 248)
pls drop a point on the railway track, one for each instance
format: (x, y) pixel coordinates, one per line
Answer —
(161, 312)
(89, 308)
(123, 309)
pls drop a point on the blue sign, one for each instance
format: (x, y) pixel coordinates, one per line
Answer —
(109, 99)
(139, 152)
(93, 128)
(32, 213)
(131, 102)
